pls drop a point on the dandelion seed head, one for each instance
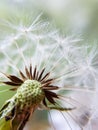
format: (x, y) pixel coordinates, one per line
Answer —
(64, 57)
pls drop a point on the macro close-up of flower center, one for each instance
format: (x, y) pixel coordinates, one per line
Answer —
(48, 65)
(32, 89)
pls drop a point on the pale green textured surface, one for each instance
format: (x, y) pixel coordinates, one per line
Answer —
(30, 93)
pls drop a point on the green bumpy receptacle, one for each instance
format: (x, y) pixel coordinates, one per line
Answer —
(29, 93)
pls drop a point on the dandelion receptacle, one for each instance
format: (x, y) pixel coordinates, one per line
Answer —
(31, 89)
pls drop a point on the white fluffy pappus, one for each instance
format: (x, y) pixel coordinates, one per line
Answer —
(74, 65)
